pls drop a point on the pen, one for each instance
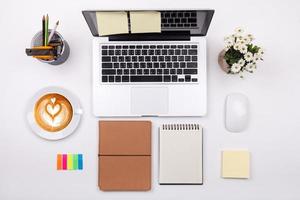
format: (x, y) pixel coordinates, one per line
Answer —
(43, 28)
(53, 31)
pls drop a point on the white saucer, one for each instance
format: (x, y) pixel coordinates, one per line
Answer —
(77, 112)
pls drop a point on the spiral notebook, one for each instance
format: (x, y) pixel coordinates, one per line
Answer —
(180, 160)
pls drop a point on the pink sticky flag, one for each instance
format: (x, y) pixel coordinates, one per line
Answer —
(65, 162)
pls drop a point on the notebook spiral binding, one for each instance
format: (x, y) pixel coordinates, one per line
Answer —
(181, 127)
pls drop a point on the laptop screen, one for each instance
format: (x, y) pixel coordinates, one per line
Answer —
(192, 22)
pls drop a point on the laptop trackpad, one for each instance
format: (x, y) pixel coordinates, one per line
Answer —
(149, 100)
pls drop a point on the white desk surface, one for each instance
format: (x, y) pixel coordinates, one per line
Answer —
(27, 166)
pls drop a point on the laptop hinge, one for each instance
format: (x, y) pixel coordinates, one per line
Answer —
(170, 36)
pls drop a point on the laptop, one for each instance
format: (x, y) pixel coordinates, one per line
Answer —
(152, 74)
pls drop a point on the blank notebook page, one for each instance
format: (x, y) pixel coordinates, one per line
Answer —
(180, 154)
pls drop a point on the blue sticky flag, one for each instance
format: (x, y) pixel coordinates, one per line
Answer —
(80, 161)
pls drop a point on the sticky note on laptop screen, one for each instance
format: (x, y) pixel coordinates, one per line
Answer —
(145, 22)
(235, 164)
(111, 23)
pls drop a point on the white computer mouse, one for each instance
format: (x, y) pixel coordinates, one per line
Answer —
(236, 112)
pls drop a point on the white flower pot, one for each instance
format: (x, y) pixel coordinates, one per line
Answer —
(222, 62)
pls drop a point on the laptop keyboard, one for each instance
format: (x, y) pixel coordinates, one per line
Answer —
(149, 63)
(178, 19)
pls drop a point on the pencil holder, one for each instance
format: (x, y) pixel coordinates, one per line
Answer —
(63, 49)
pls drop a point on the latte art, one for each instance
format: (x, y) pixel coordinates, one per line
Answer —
(53, 112)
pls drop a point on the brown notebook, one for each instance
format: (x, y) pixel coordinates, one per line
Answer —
(124, 155)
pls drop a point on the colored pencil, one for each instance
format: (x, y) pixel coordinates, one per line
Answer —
(53, 31)
(47, 29)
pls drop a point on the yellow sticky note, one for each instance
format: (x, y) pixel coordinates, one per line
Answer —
(145, 22)
(235, 164)
(110, 23)
(70, 162)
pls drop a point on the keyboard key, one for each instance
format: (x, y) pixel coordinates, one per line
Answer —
(194, 58)
(111, 47)
(139, 46)
(127, 58)
(116, 65)
(125, 78)
(192, 20)
(126, 71)
(176, 65)
(173, 71)
(192, 65)
(188, 78)
(114, 59)
(159, 46)
(177, 52)
(125, 47)
(171, 52)
(104, 78)
(157, 52)
(146, 78)
(111, 52)
(166, 71)
(182, 65)
(118, 78)
(132, 71)
(179, 71)
(106, 65)
(146, 46)
(151, 52)
(152, 71)
(132, 46)
(136, 65)
(104, 47)
(137, 52)
(184, 52)
(162, 65)
(118, 52)
(118, 47)
(147, 58)
(164, 52)
(104, 52)
(142, 65)
(190, 71)
(194, 79)
(146, 71)
(152, 46)
(159, 71)
(149, 65)
(180, 58)
(194, 46)
(174, 78)
(144, 52)
(156, 65)
(119, 71)
(154, 58)
(108, 71)
(131, 52)
(129, 65)
(124, 52)
(181, 80)
(169, 65)
(123, 65)
(141, 58)
(111, 79)
(167, 58)
(106, 59)
(134, 58)
(121, 59)
(187, 58)
(139, 71)
(192, 52)
(161, 58)
(167, 78)
(174, 58)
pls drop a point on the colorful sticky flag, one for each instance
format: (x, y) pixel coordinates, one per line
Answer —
(69, 162)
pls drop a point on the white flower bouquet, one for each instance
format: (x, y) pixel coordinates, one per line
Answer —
(240, 54)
